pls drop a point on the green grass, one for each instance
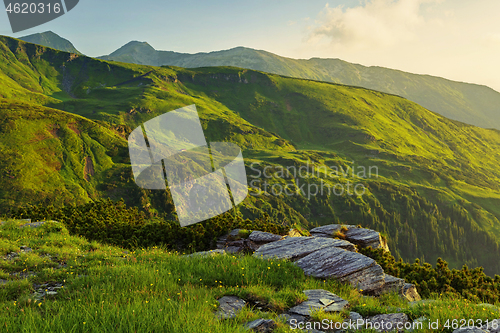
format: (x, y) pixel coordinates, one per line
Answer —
(106, 288)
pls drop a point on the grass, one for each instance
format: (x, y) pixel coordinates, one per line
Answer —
(109, 289)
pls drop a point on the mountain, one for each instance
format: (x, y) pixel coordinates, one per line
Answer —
(429, 184)
(470, 103)
(52, 40)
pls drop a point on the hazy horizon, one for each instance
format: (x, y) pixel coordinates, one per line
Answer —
(455, 39)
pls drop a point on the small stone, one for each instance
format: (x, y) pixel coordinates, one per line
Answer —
(261, 325)
(316, 299)
(229, 307)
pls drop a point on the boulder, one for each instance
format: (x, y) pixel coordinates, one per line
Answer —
(319, 299)
(387, 322)
(359, 236)
(410, 293)
(261, 325)
(332, 262)
(229, 307)
(261, 237)
(294, 248)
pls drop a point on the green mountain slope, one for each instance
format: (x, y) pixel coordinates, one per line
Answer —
(434, 189)
(52, 40)
(470, 103)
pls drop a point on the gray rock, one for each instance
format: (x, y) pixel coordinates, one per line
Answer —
(470, 330)
(360, 271)
(359, 236)
(493, 326)
(294, 248)
(288, 317)
(2, 281)
(33, 225)
(319, 299)
(391, 284)
(261, 237)
(388, 322)
(366, 237)
(355, 316)
(25, 249)
(12, 256)
(328, 230)
(229, 307)
(261, 325)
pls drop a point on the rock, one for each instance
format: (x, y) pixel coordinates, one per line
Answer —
(359, 236)
(206, 253)
(391, 284)
(288, 317)
(261, 325)
(388, 322)
(12, 256)
(331, 262)
(470, 330)
(328, 230)
(260, 237)
(410, 293)
(235, 242)
(229, 307)
(25, 249)
(33, 225)
(493, 326)
(2, 281)
(353, 316)
(294, 248)
(319, 299)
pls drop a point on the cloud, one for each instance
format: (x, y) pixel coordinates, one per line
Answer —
(375, 23)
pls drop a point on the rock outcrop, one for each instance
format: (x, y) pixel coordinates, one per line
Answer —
(359, 236)
(325, 257)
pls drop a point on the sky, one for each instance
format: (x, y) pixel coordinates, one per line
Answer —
(454, 39)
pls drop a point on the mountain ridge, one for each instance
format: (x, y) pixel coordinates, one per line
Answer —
(467, 102)
(52, 40)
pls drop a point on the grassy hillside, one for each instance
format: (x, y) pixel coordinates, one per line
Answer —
(469, 103)
(66, 283)
(434, 189)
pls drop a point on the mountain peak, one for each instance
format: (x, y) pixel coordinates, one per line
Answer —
(52, 40)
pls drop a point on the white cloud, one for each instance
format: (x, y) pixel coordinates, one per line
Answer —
(455, 39)
(377, 23)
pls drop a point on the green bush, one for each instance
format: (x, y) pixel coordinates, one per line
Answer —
(471, 284)
(115, 223)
